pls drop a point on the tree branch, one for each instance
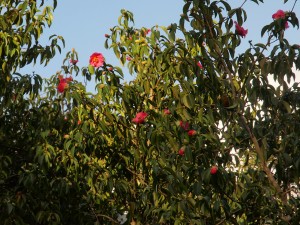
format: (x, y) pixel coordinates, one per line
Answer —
(261, 157)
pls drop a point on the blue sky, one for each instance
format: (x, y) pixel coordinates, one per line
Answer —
(83, 24)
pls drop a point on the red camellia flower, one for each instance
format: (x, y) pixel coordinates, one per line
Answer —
(199, 65)
(106, 35)
(62, 86)
(96, 59)
(213, 170)
(240, 30)
(128, 58)
(192, 132)
(79, 122)
(184, 125)
(63, 83)
(167, 112)
(181, 152)
(147, 31)
(280, 14)
(140, 117)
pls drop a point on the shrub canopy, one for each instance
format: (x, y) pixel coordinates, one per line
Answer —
(199, 136)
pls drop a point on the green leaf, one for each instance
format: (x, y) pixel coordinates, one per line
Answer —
(91, 69)
(10, 208)
(188, 101)
(264, 29)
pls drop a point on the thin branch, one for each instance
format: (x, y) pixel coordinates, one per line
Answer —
(104, 216)
(294, 5)
(265, 168)
(222, 60)
(222, 221)
(107, 217)
(243, 3)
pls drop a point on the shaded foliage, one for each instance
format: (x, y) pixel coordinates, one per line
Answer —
(78, 158)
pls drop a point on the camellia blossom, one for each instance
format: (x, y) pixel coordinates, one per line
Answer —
(63, 83)
(240, 30)
(167, 112)
(62, 86)
(181, 152)
(96, 59)
(140, 118)
(184, 125)
(213, 170)
(199, 65)
(128, 58)
(147, 31)
(192, 132)
(280, 14)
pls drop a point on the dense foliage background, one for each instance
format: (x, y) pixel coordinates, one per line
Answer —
(199, 136)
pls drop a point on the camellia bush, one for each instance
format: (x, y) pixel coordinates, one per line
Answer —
(200, 135)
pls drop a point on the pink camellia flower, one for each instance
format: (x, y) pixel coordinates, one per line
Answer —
(192, 132)
(213, 170)
(240, 30)
(96, 59)
(181, 152)
(167, 112)
(199, 65)
(280, 14)
(140, 118)
(73, 61)
(184, 125)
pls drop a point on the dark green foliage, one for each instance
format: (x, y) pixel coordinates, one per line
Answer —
(78, 158)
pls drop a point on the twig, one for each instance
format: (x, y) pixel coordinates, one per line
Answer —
(263, 162)
(107, 217)
(294, 5)
(104, 216)
(223, 220)
(243, 3)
